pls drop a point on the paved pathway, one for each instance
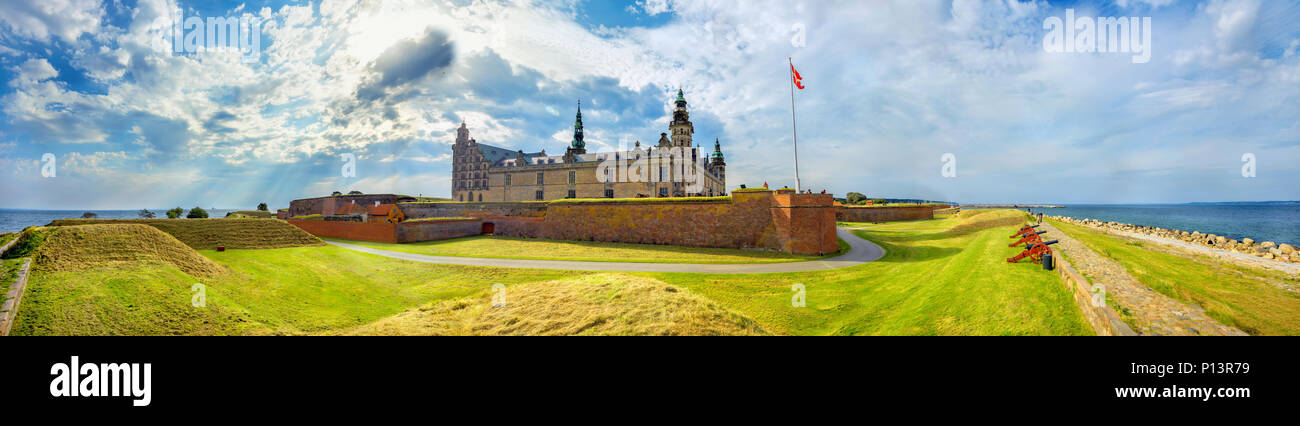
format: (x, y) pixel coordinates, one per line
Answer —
(1150, 313)
(860, 251)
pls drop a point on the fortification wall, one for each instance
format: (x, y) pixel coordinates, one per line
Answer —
(527, 227)
(804, 223)
(883, 214)
(794, 223)
(331, 204)
(409, 232)
(741, 223)
(421, 210)
(376, 232)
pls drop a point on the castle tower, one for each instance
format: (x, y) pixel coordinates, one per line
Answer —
(717, 163)
(681, 127)
(468, 167)
(578, 146)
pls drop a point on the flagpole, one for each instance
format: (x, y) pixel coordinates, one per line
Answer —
(794, 127)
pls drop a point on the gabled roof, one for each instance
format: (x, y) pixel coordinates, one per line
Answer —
(493, 154)
(351, 208)
(383, 209)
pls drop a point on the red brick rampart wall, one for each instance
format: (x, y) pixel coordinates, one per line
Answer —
(805, 223)
(360, 231)
(410, 232)
(883, 214)
(741, 223)
(794, 223)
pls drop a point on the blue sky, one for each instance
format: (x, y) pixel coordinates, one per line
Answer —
(892, 86)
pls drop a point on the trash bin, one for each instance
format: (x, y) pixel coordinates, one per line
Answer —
(1047, 262)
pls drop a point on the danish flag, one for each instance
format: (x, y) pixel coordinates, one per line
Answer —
(798, 80)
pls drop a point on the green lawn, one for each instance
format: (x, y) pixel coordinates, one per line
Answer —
(930, 282)
(8, 274)
(541, 249)
(291, 290)
(1234, 295)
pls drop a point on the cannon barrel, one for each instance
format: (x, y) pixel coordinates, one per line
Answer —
(1044, 243)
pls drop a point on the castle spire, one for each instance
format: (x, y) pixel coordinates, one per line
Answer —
(578, 144)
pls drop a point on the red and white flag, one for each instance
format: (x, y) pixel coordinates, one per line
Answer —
(798, 80)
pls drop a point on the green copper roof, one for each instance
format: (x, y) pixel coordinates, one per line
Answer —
(681, 97)
(578, 143)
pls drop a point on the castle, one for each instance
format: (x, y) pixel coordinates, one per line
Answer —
(485, 173)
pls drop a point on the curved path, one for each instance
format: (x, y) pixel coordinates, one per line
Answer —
(860, 251)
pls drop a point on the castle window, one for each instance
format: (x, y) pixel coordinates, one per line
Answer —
(663, 192)
(507, 179)
(539, 195)
(609, 193)
(480, 197)
(540, 180)
(573, 177)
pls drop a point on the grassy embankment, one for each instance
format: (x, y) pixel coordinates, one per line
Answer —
(207, 234)
(540, 249)
(932, 281)
(130, 279)
(1246, 298)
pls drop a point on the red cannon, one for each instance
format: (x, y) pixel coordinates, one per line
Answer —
(1029, 239)
(1034, 252)
(1024, 230)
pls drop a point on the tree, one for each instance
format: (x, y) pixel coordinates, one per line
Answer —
(197, 213)
(175, 213)
(89, 215)
(855, 197)
(146, 214)
(262, 207)
(355, 193)
(336, 193)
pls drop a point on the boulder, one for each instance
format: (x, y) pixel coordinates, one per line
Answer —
(1247, 241)
(1220, 240)
(1286, 248)
(1268, 244)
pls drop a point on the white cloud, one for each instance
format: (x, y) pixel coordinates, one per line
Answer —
(64, 19)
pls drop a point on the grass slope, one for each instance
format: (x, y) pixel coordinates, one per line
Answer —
(207, 234)
(1233, 295)
(276, 291)
(122, 245)
(541, 249)
(932, 281)
(606, 304)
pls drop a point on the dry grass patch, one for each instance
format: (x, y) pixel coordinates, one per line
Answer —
(126, 245)
(604, 304)
(207, 234)
(976, 220)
